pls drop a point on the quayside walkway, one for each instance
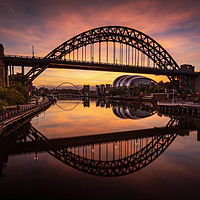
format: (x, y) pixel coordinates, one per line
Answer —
(11, 120)
(182, 108)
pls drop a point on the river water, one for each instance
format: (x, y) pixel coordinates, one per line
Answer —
(139, 160)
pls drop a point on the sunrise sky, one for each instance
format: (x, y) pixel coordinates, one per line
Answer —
(48, 23)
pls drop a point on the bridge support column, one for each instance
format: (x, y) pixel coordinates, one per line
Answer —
(197, 83)
(3, 68)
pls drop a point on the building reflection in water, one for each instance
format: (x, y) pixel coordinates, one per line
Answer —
(125, 110)
(128, 113)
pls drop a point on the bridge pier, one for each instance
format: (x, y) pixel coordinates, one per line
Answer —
(3, 68)
(197, 84)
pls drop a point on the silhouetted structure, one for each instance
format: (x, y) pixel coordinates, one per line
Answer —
(138, 53)
(86, 90)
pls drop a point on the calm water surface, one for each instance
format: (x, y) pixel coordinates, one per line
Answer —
(165, 167)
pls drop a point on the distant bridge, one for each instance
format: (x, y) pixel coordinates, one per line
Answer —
(66, 82)
(109, 48)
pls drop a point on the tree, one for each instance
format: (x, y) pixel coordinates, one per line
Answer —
(2, 104)
(161, 83)
(11, 96)
(23, 90)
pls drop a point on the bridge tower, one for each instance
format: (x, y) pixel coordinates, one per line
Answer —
(194, 80)
(3, 68)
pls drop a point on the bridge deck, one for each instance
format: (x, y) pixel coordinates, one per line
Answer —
(81, 65)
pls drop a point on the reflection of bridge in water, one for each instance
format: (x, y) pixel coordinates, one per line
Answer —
(113, 154)
(70, 108)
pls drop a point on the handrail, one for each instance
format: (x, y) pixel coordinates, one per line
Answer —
(17, 56)
(8, 114)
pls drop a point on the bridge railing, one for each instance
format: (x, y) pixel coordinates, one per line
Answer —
(6, 114)
(78, 61)
(30, 57)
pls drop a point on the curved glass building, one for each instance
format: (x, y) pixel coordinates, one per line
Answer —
(130, 80)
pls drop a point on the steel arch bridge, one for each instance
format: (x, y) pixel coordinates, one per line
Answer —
(123, 36)
(66, 82)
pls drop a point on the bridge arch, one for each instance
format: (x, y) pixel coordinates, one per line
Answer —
(120, 34)
(125, 36)
(76, 104)
(67, 83)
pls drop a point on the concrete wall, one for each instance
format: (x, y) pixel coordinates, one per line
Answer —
(3, 68)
